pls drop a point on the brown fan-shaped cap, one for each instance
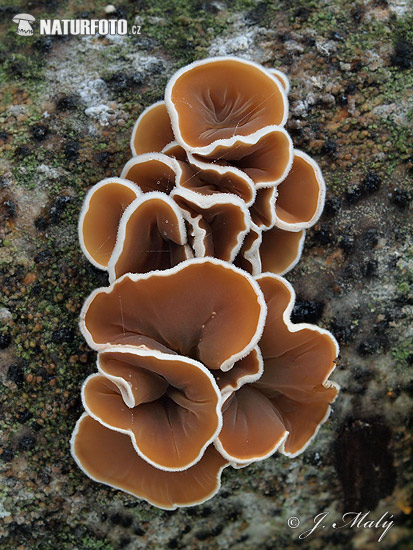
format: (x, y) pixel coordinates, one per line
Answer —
(286, 406)
(214, 100)
(265, 156)
(108, 456)
(246, 370)
(99, 219)
(301, 195)
(151, 236)
(173, 407)
(204, 309)
(208, 178)
(252, 428)
(152, 130)
(298, 360)
(219, 222)
(152, 172)
(280, 250)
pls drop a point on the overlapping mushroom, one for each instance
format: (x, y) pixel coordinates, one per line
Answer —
(199, 366)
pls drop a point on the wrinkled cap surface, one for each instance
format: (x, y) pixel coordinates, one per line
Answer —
(151, 236)
(286, 406)
(168, 404)
(204, 309)
(219, 98)
(219, 222)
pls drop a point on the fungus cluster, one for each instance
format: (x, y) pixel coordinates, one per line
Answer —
(199, 366)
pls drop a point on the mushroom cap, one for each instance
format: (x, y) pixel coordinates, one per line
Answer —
(151, 236)
(301, 195)
(204, 309)
(152, 131)
(280, 250)
(265, 156)
(285, 407)
(173, 405)
(23, 17)
(212, 100)
(297, 365)
(210, 177)
(252, 429)
(153, 172)
(99, 218)
(122, 468)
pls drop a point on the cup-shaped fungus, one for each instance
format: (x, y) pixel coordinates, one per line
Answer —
(152, 130)
(151, 236)
(169, 405)
(193, 375)
(280, 250)
(109, 457)
(208, 178)
(99, 219)
(213, 101)
(265, 156)
(204, 309)
(218, 222)
(300, 199)
(153, 172)
(286, 406)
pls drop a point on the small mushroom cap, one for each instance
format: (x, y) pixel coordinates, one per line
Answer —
(219, 222)
(23, 17)
(298, 359)
(301, 195)
(152, 172)
(213, 100)
(151, 236)
(108, 456)
(173, 407)
(99, 219)
(152, 130)
(204, 309)
(285, 407)
(252, 428)
(280, 250)
(265, 156)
